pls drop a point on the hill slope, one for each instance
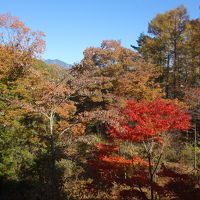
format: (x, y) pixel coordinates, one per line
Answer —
(58, 62)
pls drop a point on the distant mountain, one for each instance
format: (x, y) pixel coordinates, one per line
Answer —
(58, 62)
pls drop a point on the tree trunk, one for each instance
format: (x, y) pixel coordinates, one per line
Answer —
(53, 178)
(151, 176)
(195, 145)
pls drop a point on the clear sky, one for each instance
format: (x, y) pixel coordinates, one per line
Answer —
(73, 25)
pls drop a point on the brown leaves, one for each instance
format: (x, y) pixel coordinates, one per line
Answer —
(131, 76)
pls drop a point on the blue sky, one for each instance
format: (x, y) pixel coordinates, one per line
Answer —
(73, 25)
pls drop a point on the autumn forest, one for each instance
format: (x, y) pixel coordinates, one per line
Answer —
(122, 124)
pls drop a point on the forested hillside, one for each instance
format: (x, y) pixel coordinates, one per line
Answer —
(122, 124)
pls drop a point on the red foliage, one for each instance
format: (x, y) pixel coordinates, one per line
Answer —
(148, 119)
(140, 121)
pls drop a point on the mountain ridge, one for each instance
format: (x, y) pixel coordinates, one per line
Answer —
(58, 62)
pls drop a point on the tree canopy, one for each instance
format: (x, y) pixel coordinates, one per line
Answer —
(120, 124)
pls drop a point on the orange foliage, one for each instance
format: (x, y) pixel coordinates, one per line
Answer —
(66, 110)
(133, 76)
(20, 37)
(119, 160)
(78, 129)
(18, 46)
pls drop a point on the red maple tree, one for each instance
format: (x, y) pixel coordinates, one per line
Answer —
(149, 119)
(147, 123)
